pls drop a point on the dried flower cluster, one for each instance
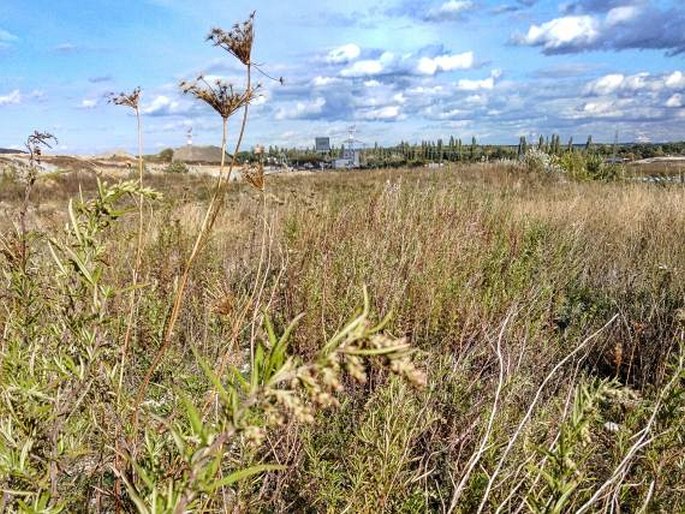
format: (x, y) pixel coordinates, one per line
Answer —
(131, 99)
(221, 96)
(254, 175)
(37, 140)
(238, 41)
(315, 385)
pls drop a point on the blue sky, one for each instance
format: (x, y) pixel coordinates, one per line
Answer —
(396, 69)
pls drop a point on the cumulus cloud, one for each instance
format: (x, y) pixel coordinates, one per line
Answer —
(366, 67)
(447, 62)
(622, 27)
(387, 113)
(427, 62)
(675, 101)
(302, 110)
(617, 83)
(476, 85)
(321, 81)
(13, 97)
(602, 109)
(450, 10)
(562, 33)
(88, 103)
(675, 80)
(161, 105)
(343, 54)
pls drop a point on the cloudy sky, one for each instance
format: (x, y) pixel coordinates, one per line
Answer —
(395, 69)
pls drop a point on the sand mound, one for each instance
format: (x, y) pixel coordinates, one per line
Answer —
(199, 154)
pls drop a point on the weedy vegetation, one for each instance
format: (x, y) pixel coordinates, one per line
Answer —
(476, 338)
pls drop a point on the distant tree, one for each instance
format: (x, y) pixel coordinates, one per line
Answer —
(523, 147)
(166, 155)
(588, 144)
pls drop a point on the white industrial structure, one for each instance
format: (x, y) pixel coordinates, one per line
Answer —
(351, 154)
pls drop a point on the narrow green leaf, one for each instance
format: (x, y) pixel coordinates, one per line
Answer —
(245, 473)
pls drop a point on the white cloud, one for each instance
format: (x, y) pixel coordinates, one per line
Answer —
(365, 67)
(476, 100)
(606, 85)
(387, 113)
(447, 62)
(561, 32)
(637, 25)
(676, 101)
(619, 83)
(449, 10)
(88, 103)
(343, 54)
(320, 81)
(620, 15)
(161, 105)
(301, 110)
(13, 97)
(601, 108)
(426, 90)
(675, 80)
(476, 85)
(371, 83)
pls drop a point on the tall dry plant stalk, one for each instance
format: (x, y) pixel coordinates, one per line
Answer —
(34, 144)
(132, 101)
(226, 101)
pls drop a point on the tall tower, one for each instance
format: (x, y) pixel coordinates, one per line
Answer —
(189, 133)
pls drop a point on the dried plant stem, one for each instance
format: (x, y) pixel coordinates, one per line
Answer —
(531, 408)
(205, 229)
(473, 461)
(133, 300)
(138, 261)
(642, 439)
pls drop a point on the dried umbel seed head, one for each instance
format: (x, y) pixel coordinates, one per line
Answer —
(255, 176)
(238, 41)
(131, 99)
(37, 140)
(220, 96)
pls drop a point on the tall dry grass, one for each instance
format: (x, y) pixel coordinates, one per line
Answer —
(549, 316)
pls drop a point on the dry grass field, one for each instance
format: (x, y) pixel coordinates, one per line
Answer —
(521, 349)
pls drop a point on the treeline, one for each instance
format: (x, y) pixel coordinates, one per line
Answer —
(455, 150)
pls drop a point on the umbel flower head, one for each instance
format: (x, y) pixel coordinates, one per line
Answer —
(238, 41)
(221, 96)
(131, 99)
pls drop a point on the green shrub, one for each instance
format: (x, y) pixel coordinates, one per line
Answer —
(177, 167)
